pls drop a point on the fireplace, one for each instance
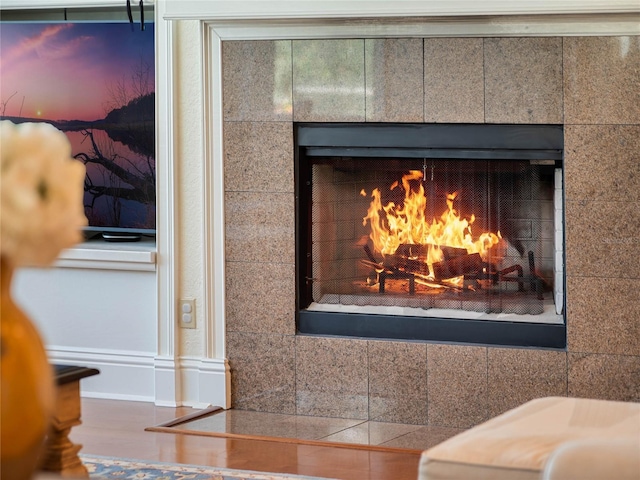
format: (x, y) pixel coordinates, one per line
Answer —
(434, 232)
(246, 231)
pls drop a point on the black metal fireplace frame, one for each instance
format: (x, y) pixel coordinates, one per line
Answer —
(452, 141)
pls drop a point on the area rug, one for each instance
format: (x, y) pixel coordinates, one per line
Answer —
(110, 468)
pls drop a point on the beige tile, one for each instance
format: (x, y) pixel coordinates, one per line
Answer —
(244, 422)
(317, 428)
(260, 297)
(370, 433)
(258, 157)
(393, 72)
(398, 382)
(453, 80)
(411, 409)
(423, 438)
(602, 162)
(602, 238)
(256, 79)
(457, 385)
(603, 315)
(335, 364)
(523, 80)
(601, 80)
(519, 375)
(262, 371)
(331, 377)
(331, 404)
(260, 227)
(606, 377)
(328, 80)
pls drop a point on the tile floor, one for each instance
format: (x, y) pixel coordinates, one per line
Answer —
(339, 430)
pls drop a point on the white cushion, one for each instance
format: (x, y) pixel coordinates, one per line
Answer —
(595, 459)
(517, 444)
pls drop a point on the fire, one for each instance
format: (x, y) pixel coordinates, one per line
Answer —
(407, 224)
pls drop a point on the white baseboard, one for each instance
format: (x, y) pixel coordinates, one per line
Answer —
(145, 377)
(167, 382)
(205, 382)
(123, 375)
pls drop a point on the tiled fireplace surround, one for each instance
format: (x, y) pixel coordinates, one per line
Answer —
(589, 84)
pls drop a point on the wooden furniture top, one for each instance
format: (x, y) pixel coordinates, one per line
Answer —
(70, 373)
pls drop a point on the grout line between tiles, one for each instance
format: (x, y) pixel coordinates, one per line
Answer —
(343, 429)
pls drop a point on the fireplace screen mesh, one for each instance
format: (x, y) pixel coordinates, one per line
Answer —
(403, 235)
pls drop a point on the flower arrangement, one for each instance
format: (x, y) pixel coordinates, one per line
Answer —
(41, 190)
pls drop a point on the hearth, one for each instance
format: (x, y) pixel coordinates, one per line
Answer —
(437, 232)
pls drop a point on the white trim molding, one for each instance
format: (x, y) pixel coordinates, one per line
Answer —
(168, 390)
(213, 187)
(504, 26)
(124, 375)
(326, 9)
(138, 256)
(167, 386)
(143, 377)
(35, 4)
(205, 382)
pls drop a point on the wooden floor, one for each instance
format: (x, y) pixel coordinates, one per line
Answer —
(116, 428)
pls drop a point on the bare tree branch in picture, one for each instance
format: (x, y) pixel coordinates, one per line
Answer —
(4, 103)
(143, 183)
(123, 91)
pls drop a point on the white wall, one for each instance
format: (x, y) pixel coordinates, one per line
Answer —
(97, 308)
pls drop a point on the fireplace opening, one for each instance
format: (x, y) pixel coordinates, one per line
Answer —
(445, 232)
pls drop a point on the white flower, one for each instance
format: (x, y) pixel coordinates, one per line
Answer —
(41, 190)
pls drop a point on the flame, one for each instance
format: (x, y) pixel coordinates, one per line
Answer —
(406, 224)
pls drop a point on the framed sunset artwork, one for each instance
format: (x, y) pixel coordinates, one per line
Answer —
(95, 81)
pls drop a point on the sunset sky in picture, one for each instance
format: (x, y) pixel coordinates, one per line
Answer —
(64, 71)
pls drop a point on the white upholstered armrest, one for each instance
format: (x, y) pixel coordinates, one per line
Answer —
(594, 459)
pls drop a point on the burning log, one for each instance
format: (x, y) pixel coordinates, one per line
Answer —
(399, 265)
(452, 252)
(404, 264)
(386, 272)
(458, 266)
(412, 250)
(410, 258)
(369, 253)
(422, 251)
(376, 265)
